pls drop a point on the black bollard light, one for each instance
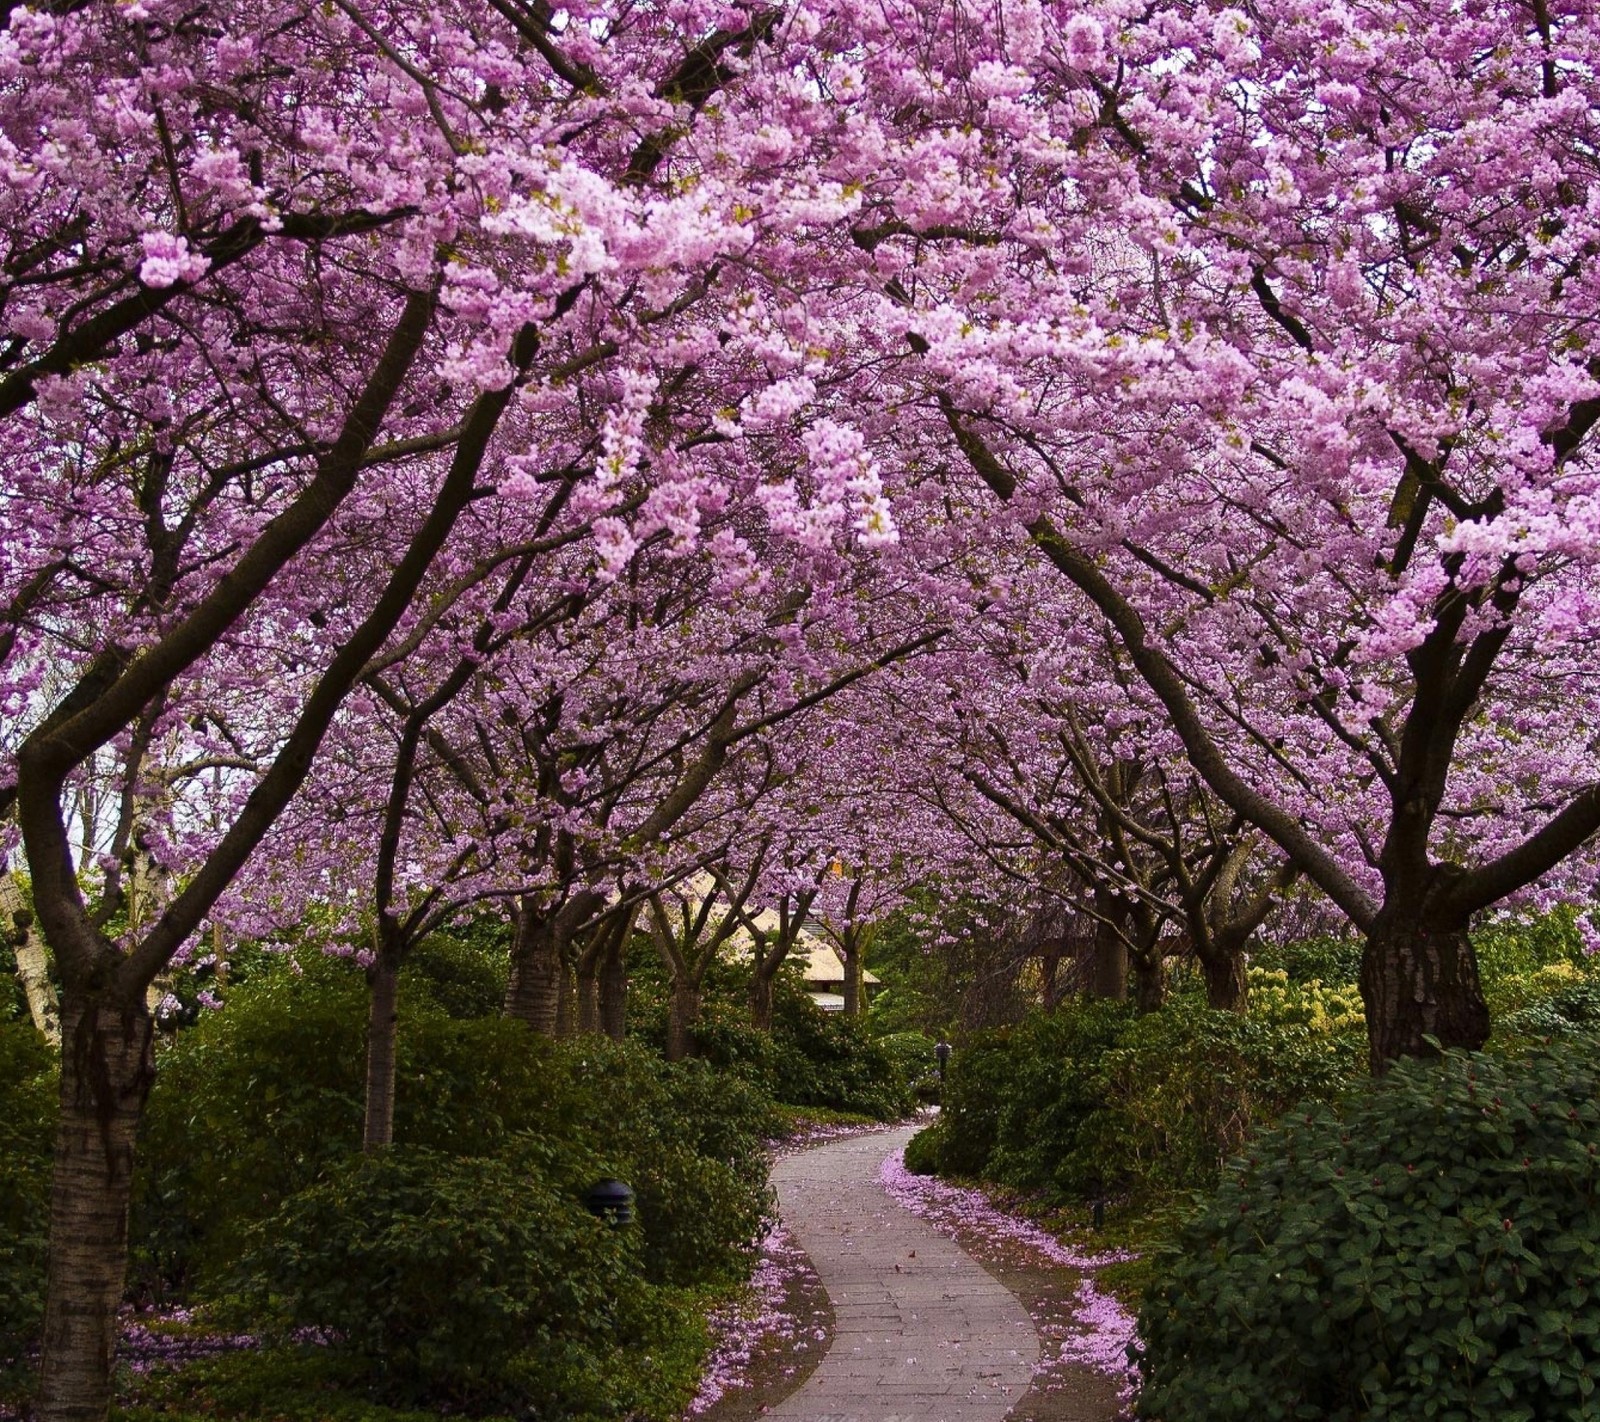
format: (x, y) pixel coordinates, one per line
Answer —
(941, 1054)
(611, 1200)
(1099, 1214)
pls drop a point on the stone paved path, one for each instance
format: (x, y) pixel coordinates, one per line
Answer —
(923, 1333)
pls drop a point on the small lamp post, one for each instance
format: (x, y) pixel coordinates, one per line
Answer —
(941, 1054)
(611, 1200)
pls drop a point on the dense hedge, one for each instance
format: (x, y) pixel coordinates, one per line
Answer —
(1430, 1249)
(260, 1100)
(1095, 1100)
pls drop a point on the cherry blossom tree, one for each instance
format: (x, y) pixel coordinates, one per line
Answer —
(1269, 332)
(279, 285)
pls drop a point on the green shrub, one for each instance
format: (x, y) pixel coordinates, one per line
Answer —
(1512, 946)
(1094, 1100)
(1056, 1089)
(925, 1150)
(262, 1099)
(809, 1058)
(28, 1072)
(1325, 960)
(472, 1281)
(293, 1383)
(463, 972)
(1556, 1001)
(1017, 1098)
(912, 1060)
(13, 998)
(1429, 1249)
(249, 1106)
(1186, 1086)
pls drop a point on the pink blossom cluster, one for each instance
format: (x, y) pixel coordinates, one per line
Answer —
(1099, 1331)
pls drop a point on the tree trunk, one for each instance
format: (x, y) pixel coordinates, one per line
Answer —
(383, 1021)
(682, 1016)
(533, 994)
(1226, 984)
(107, 1066)
(566, 1001)
(1419, 980)
(1149, 980)
(1109, 974)
(855, 987)
(613, 1006)
(1050, 981)
(588, 977)
(761, 998)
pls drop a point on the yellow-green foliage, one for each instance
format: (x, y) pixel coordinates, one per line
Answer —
(1323, 1007)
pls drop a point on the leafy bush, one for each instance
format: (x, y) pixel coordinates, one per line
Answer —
(925, 1150)
(1514, 946)
(911, 1058)
(1429, 1249)
(1554, 1001)
(809, 1058)
(463, 972)
(1016, 1098)
(262, 1099)
(1186, 1086)
(477, 1281)
(1325, 960)
(293, 1383)
(13, 999)
(1094, 1100)
(27, 1131)
(249, 1106)
(1277, 998)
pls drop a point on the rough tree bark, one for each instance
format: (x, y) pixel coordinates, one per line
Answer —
(1111, 957)
(107, 1067)
(761, 985)
(1226, 982)
(1109, 975)
(1050, 978)
(1419, 981)
(534, 989)
(770, 949)
(540, 973)
(1149, 981)
(600, 973)
(852, 953)
(567, 998)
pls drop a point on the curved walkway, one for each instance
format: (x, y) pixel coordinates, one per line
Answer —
(923, 1333)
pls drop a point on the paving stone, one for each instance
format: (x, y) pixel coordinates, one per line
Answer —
(923, 1333)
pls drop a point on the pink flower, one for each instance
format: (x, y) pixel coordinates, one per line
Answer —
(168, 260)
